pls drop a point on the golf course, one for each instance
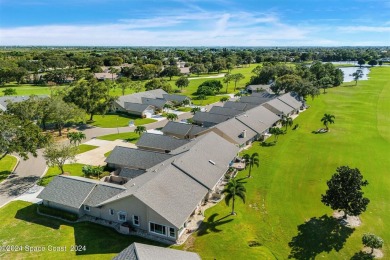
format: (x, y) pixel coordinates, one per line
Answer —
(283, 215)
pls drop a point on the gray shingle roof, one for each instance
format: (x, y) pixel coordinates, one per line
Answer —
(263, 95)
(176, 128)
(209, 119)
(235, 105)
(5, 100)
(233, 128)
(276, 106)
(134, 107)
(290, 100)
(137, 251)
(258, 119)
(102, 193)
(172, 194)
(254, 99)
(176, 98)
(137, 97)
(161, 142)
(159, 103)
(208, 159)
(135, 158)
(130, 173)
(260, 88)
(73, 191)
(225, 111)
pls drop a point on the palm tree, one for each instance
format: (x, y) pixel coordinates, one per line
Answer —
(76, 137)
(276, 131)
(236, 78)
(140, 129)
(287, 121)
(251, 161)
(172, 117)
(194, 110)
(227, 80)
(233, 189)
(327, 119)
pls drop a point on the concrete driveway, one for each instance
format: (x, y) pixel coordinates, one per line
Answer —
(96, 156)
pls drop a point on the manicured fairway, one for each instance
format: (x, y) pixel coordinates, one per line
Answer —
(22, 226)
(285, 192)
(6, 166)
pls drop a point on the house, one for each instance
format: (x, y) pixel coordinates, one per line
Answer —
(141, 110)
(183, 131)
(207, 119)
(254, 100)
(138, 251)
(157, 103)
(177, 99)
(160, 143)
(259, 88)
(125, 102)
(278, 107)
(239, 105)
(133, 158)
(292, 101)
(5, 100)
(236, 132)
(225, 111)
(159, 202)
(259, 119)
(101, 76)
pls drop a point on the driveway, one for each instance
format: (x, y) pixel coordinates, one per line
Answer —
(96, 156)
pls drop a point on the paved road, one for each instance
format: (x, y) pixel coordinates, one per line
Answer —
(24, 177)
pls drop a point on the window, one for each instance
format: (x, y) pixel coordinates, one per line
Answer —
(122, 216)
(158, 229)
(136, 220)
(111, 211)
(172, 232)
(86, 208)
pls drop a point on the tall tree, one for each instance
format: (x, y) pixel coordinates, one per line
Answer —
(198, 69)
(140, 130)
(232, 190)
(276, 131)
(251, 160)
(357, 75)
(287, 121)
(63, 113)
(182, 82)
(237, 78)
(327, 119)
(372, 241)
(90, 95)
(20, 136)
(113, 71)
(361, 62)
(58, 155)
(227, 79)
(345, 191)
(171, 71)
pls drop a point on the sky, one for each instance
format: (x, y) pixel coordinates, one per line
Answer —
(195, 22)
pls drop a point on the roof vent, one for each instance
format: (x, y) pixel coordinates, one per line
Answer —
(243, 133)
(212, 162)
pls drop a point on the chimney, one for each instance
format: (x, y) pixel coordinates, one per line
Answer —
(243, 134)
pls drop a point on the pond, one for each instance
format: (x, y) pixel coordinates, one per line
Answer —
(348, 71)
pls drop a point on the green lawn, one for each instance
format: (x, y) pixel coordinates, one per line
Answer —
(7, 164)
(28, 89)
(74, 170)
(107, 153)
(21, 225)
(129, 137)
(284, 194)
(82, 148)
(118, 120)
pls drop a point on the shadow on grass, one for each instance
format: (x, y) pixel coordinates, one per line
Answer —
(131, 139)
(318, 235)
(4, 175)
(97, 239)
(212, 223)
(362, 256)
(265, 144)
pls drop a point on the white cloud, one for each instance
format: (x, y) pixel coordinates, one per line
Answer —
(354, 29)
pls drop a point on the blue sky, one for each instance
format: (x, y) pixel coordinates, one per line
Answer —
(195, 22)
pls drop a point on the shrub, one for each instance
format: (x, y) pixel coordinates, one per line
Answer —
(57, 213)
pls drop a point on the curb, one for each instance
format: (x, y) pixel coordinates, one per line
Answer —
(13, 170)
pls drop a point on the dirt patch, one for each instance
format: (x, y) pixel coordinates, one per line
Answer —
(189, 244)
(377, 252)
(350, 221)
